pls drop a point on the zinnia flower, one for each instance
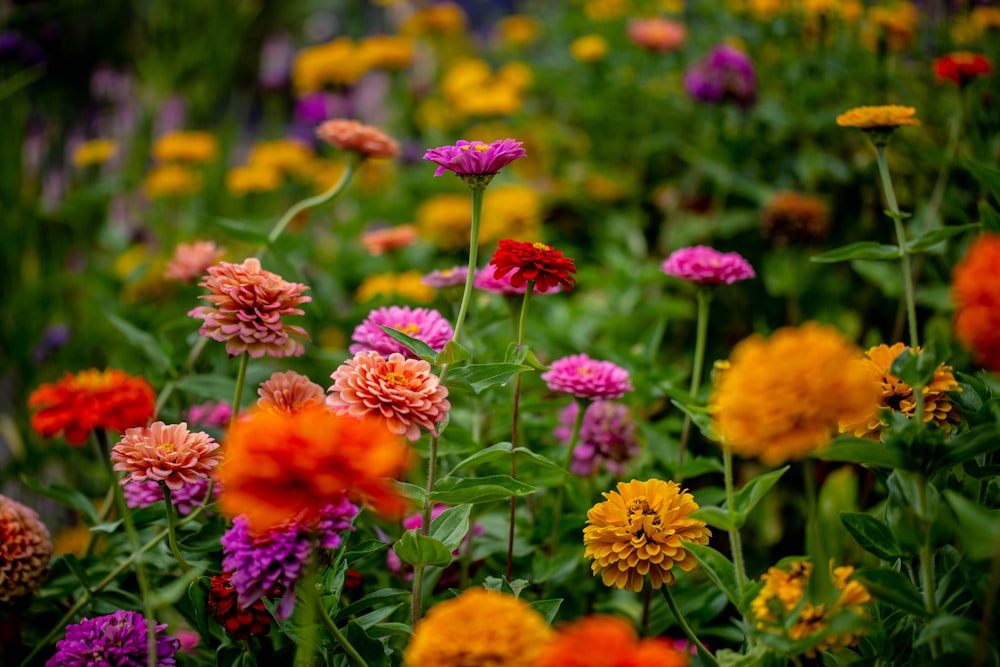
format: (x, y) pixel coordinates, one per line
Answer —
(262, 561)
(379, 240)
(607, 437)
(77, 404)
(794, 217)
(191, 260)
(425, 324)
(607, 641)
(587, 378)
(589, 48)
(210, 414)
(169, 454)
(783, 590)
(279, 466)
(97, 151)
(533, 261)
(896, 395)
(252, 178)
(706, 266)
(365, 140)
(25, 551)
(783, 397)
(185, 499)
(657, 34)
(401, 393)
(962, 67)
(724, 75)
(479, 627)
(171, 180)
(487, 281)
(185, 147)
(248, 304)
(444, 278)
(406, 285)
(976, 291)
(116, 639)
(878, 118)
(241, 623)
(289, 392)
(475, 159)
(641, 529)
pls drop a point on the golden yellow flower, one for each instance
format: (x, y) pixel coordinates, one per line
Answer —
(589, 48)
(641, 529)
(171, 180)
(895, 25)
(252, 178)
(286, 156)
(783, 591)
(969, 28)
(337, 63)
(897, 395)
(479, 628)
(518, 75)
(94, 152)
(195, 147)
(887, 117)
(518, 30)
(471, 88)
(783, 397)
(408, 285)
(443, 18)
(389, 52)
(509, 212)
(446, 220)
(605, 10)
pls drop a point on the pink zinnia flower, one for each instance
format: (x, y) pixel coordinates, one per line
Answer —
(424, 324)
(474, 158)
(379, 240)
(587, 378)
(453, 277)
(402, 392)
(351, 135)
(486, 280)
(162, 453)
(211, 414)
(249, 304)
(706, 266)
(191, 260)
(657, 34)
(289, 392)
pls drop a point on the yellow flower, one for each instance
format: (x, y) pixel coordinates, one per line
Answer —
(884, 117)
(589, 48)
(478, 628)
(605, 10)
(407, 285)
(171, 180)
(94, 152)
(283, 155)
(783, 397)
(783, 591)
(516, 74)
(446, 220)
(192, 147)
(518, 30)
(897, 395)
(471, 88)
(337, 63)
(895, 24)
(324, 172)
(389, 52)
(641, 529)
(444, 18)
(252, 178)
(510, 212)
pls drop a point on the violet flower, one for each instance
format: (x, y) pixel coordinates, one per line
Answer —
(607, 437)
(117, 639)
(724, 75)
(474, 161)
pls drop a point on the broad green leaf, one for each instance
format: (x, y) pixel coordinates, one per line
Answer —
(893, 589)
(217, 387)
(176, 588)
(451, 526)
(748, 497)
(980, 440)
(456, 490)
(985, 173)
(372, 651)
(198, 595)
(943, 626)
(376, 616)
(411, 491)
(718, 568)
(418, 347)
(858, 450)
(417, 549)
(700, 417)
(483, 376)
(717, 517)
(452, 353)
(538, 459)
(142, 340)
(871, 535)
(980, 526)
(860, 250)
(483, 456)
(78, 570)
(366, 548)
(990, 217)
(935, 236)
(65, 496)
(547, 608)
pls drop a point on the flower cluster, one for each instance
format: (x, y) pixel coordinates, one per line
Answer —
(25, 551)
(607, 437)
(702, 265)
(424, 324)
(116, 639)
(587, 378)
(536, 262)
(165, 453)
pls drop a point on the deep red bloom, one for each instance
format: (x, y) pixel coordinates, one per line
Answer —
(962, 67)
(533, 261)
(240, 623)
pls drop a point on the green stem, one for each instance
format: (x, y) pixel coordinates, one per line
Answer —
(172, 526)
(477, 213)
(735, 541)
(241, 377)
(331, 627)
(904, 253)
(703, 652)
(309, 202)
(701, 335)
(109, 502)
(582, 404)
(515, 419)
(927, 555)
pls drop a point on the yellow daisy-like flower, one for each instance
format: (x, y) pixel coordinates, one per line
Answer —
(94, 152)
(641, 529)
(886, 117)
(446, 221)
(783, 397)
(481, 628)
(408, 285)
(518, 29)
(194, 147)
(252, 178)
(783, 591)
(171, 180)
(589, 48)
(897, 395)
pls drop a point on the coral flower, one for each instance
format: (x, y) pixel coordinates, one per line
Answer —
(898, 396)
(25, 551)
(962, 67)
(657, 34)
(878, 118)
(279, 467)
(365, 140)
(479, 627)
(587, 378)
(794, 217)
(784, 589)
(783, 397)
(381, 240)
(474, 158)
(976, 291)
(706, 266)
(241, 623)
(170, 454)
(401, 393)
(607, 641)
(641, 529)
(289, 392)
(77, 404)
(607, 437)
(191, 260)
(248, 304)
(533, 261)
(425, 324)
(116, 639)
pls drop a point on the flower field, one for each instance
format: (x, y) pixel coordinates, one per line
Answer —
(585, 333)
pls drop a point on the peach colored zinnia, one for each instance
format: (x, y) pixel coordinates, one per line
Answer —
(191, 260)
(402, 392)
(365, 140)
(249, 304)
(165, 453)
(25, 550)
(289, 392)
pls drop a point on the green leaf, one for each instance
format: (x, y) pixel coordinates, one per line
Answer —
(198, 595)
(451, 526)
(980, 527)
(980, 440)
(370, 600)
(482, 376)
(748, 497)
(717, 517)
(418, 347)
(452, 353)
(700, 417)
(893, 589)
(758, 656)
(417, 549)
(989, 217)
(142, 340)
(944, 626)
(216, 387)
(985, 173)
(411, 491)
(238, 229)
(366, 548)
(935, 236)
(456, 490)
(169, 593)
(483, 456)
(65, 496)
(718, 568)
(859, 250)
(871, 535)
(371, 650)
(78, 570)
(548, 608)
(699, 465)
(858, 450)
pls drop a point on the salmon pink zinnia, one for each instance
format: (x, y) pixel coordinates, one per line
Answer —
(166, 453)
(351, 135)
(289, 392)
(706, 266)
(588, 378)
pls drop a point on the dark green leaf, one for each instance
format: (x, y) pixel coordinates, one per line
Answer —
(216, 387)
(985, 173)
(417, 549)
(748, 497)
(990, 217)
(144, 341)
(980, 526)
(893, 589)
(455, 490)
(452, 353)
(418, 347)
(366, 548)
(699, 465)
(980, 440)
(65, 496)
(451, 526)
(547, 608)
(860, 250)
(379, 596)
(483, 376)
(371, 650)
(718, 568)
(169, 593)
(943, 626)
(871, 534)
(78, 570)
(858, 450)
(240, 230)
(198, 595)
(492, 453)
(717, 517)
(935, 236)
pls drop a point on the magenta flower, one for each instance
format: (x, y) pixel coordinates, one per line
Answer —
(424, 324)
(587, 378)
(474, 158)
(486, 280)
(443, 278)
(706, 266)
(607, 437)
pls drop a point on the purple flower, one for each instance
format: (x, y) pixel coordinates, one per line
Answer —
(706, 266)
(486, 280)
(724, 75)
(185, 499)
(587, 378)
(211, 414)
(607, 437)
(474, 158)
(454, 277)
(424, 324)
(117, 640)
(53, 338)
(279, 557)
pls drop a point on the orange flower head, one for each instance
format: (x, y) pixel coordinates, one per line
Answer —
(165, 453)
(379, 240)
(975, 288)
(365, 140)
(280, 466)
(289, 392)
(77, 404)
(607, 641)
(794, 217)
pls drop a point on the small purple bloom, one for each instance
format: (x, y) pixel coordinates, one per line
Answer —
(706, 266)
(486, 280)
(425, 324)
(454, 277)
(185, 499)
(211, 414)
(54, 337)
(607, 437)
(474, 158)
(587, 378)
(724, 75)
(118, 639)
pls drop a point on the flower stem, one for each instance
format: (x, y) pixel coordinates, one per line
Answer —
(583, 404)
(735, 541)
(109, 502)
(331, 627)
(172, 526)
(477, 213)
(688, 632)
(927, 555)
(309, 202)
(241, 377)
(701, 335)
(530, 287)
(904, 253)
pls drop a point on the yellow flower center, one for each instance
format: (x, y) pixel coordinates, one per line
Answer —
(482, 148)
(93, 379)
(411, 329)
(168, 447)
(541, 246)
(584, 371)
(396, 379)
(640, 505)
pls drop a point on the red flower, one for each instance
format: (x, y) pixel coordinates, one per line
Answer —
(975, 287)
(91, 399)
(240, 623)
(533, 261)
(962, 67)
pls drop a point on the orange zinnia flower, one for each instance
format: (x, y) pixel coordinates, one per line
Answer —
(77, 404)
(976, 289)
(280, 466)
(607, 641)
